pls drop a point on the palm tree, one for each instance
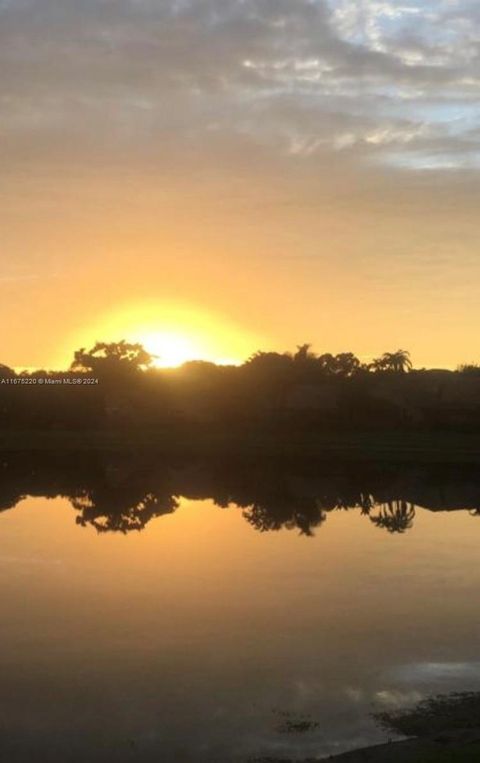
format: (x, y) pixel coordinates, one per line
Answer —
(303, 353)
(395, 516)
(398, 361)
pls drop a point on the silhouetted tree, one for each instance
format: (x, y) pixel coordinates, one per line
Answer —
(111, 356)
(269, 362)
(272, 391)
(6, 372)
(398, 361)
(327, 363)
(469, 369)
(303, 354)
(347, 364)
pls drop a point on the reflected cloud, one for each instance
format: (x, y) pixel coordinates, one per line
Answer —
(426, 671)
(393, 698)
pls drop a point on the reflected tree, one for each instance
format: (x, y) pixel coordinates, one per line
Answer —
(395, 516)
(124, 495)
(434, 715)
(110, 515)
(123, 492)
(287, 512)
(366, 503)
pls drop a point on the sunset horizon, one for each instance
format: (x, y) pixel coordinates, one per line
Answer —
(303, 172)
(239, 381)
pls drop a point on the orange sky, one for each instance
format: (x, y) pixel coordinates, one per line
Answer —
(279, 173)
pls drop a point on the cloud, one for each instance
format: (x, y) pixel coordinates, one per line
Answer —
(385, 81)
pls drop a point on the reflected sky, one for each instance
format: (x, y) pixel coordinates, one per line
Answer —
(197, 638)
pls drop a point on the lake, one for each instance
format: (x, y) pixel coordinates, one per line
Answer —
(191, 611)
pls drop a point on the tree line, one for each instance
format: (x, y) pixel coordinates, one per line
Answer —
(273, 391)
(121, 357)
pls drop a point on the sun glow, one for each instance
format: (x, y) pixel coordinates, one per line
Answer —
(173, 334)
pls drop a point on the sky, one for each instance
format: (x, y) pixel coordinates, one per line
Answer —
(239, 175)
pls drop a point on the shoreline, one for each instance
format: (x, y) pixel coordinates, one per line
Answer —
(457, 746)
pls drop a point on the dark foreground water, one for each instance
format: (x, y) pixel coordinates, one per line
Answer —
(140, 625)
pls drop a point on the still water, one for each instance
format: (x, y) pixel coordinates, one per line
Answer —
(202, 638)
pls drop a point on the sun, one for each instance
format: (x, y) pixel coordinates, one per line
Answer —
(173, 333)
(170, 348)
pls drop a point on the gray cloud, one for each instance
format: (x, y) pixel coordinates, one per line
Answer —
(391, 83)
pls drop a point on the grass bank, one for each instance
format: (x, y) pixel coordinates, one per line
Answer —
(425, 447)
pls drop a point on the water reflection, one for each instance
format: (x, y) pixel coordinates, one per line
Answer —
(124, 492)
(205, 636)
